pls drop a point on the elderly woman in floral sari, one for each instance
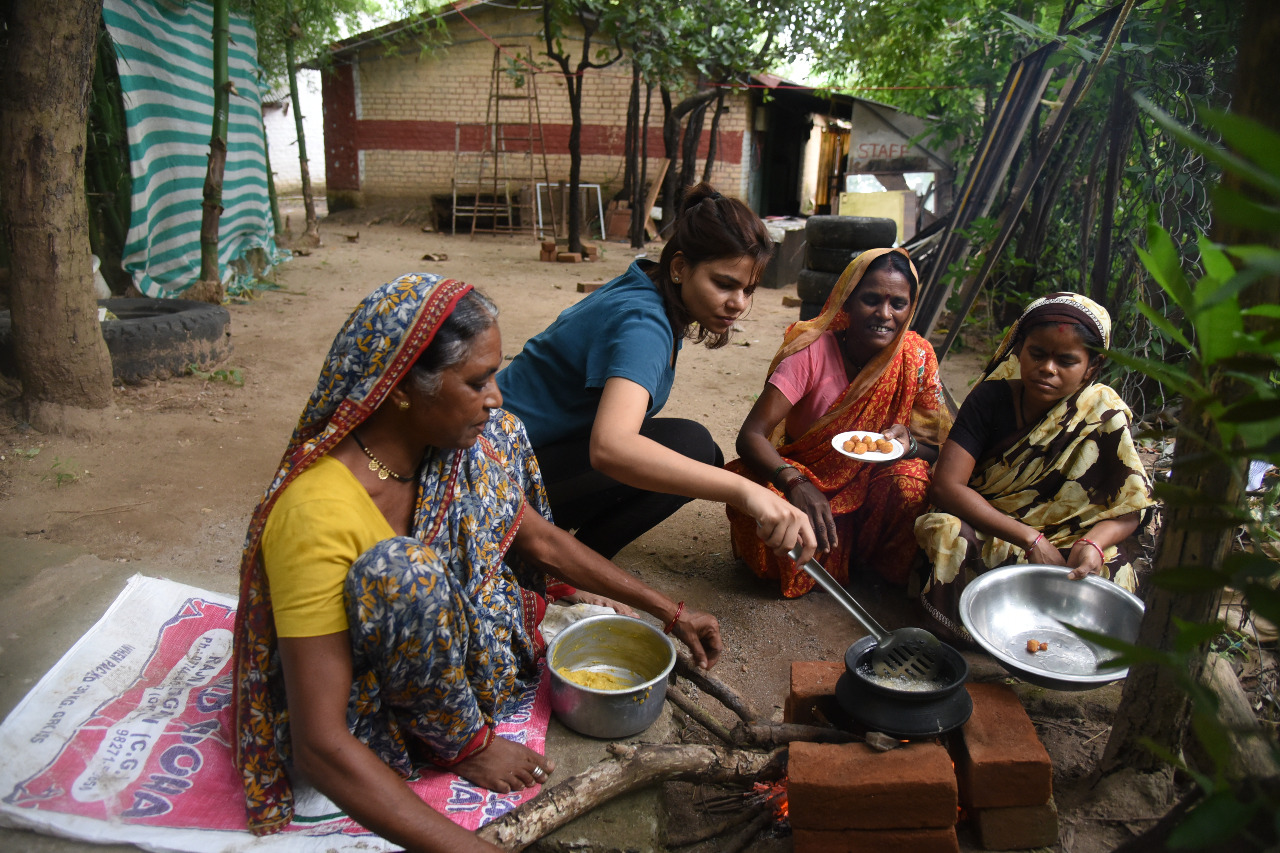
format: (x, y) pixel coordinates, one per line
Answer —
(1040, 466)
(856, 366)
(391, 587)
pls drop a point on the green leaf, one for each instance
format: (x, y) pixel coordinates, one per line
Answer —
(1162, 260)
(1193, 635)
(1213, 822)
(1229, 205)
(1264, 600)
(1215, 261)
(1252, 411)
(1263, 311)
(1189, 579)
(1162, 323)
(1248, 137)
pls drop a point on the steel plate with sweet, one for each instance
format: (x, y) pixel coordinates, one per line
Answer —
(1007, 610)
(868, 446)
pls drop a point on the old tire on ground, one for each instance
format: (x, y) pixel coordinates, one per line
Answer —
(850, 232)
(826, 259)
(151, 339)
(809, 310)
(815, 285)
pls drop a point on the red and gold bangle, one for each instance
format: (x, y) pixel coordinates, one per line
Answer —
(1035, 542)
(672, 624)
(1101, 556)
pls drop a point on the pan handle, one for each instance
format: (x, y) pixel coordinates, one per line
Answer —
(815, 570)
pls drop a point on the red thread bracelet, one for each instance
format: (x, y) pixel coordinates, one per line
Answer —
(1096, 547)
(1035, 542)
(672, 624)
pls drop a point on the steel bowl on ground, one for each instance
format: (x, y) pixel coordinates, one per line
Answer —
(1004, 608)
(626, 651)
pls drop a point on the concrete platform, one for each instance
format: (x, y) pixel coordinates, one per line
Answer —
(50, 595)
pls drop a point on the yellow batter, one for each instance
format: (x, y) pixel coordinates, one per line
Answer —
(595, 680)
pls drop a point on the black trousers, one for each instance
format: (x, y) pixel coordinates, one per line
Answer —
(606, 514)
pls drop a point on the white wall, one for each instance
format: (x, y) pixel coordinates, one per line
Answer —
(282, 140)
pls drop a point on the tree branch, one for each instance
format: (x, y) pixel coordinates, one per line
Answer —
(632, 767)
(717, 688)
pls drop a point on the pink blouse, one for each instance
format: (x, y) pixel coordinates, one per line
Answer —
(813, 380)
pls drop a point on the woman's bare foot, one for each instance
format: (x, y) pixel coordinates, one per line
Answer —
(583, 597)
(504, 766)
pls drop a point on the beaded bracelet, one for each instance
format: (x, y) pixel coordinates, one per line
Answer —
(773, 478)
(1096, 547)
(672, 624)
(793, 482)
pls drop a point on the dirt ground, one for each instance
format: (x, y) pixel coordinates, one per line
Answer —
(172, 478)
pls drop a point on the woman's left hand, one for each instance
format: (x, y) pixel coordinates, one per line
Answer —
(701, 633)
(1085, 559)
(901, 434)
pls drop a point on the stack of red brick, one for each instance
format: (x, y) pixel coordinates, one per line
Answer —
(1005, 776)
(551, 253)
(850, 798)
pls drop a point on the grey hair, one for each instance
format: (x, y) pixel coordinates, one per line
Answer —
(453, 341)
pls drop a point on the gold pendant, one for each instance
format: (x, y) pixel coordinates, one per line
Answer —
(377, 469)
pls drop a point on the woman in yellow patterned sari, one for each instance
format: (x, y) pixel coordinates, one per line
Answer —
(392, 580)
(1040, 466)
(856, 366)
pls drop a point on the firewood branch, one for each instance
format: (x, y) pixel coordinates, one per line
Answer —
(732, 700)
(698, 713)
(632, 767)
(771, 735)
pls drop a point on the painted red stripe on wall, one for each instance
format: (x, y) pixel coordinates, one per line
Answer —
(390, 135)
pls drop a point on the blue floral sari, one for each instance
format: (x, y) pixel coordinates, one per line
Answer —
(443, 624)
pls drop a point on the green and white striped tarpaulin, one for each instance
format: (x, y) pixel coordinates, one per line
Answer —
(165, 60)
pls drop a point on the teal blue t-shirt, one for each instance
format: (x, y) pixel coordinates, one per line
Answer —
(554, 383)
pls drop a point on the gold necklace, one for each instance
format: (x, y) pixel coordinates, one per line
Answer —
(376, 465)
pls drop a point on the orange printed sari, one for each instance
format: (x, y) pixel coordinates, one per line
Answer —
(875, 505)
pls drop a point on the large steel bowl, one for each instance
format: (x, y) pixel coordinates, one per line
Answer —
(1004, 608)
(629, 652)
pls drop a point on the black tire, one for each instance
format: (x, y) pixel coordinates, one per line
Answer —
(809, 310)
(151, 339)
(815, 285)
(850, 232)
(829, 260)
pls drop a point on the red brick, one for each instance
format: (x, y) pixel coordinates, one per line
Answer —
(549, 246)
(569, 257)
(1016, 827)
(875, 841)
(852, 786)
(811, 681)
(999, 759)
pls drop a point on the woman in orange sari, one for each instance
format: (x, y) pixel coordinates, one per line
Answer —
(855, 367)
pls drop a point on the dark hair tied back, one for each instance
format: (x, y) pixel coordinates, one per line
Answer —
(710, 227)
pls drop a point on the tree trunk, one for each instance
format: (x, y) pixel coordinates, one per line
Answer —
(47, 56)
(311, 235)
(672, 189)
(689, 146)
(1120, 123)
(639, 213)
(631, 137)
(1153, 705)
(209, 287)
(713, 138)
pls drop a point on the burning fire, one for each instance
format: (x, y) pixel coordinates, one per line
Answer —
(773, 794)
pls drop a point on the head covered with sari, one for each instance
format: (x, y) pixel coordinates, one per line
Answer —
(377, 346)
(874, 506)
(930, 425)
(1061, 307)
(1062, 474)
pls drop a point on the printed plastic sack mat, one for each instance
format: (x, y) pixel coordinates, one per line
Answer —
(128, 740)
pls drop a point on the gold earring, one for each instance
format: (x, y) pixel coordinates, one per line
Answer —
(404, 405)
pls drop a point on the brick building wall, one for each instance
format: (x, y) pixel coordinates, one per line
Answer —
(391, 120)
